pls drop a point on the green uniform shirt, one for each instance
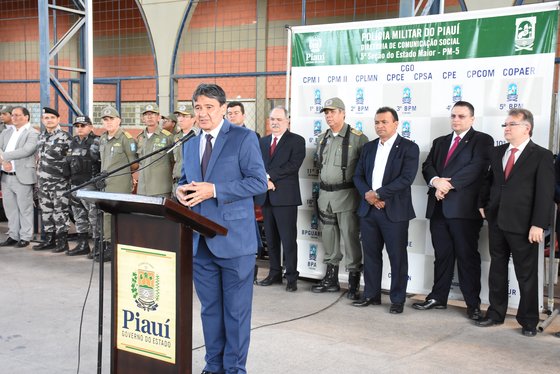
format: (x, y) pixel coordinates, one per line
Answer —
(116, 152)
(154, 177)
(331, 171)
(178, 156)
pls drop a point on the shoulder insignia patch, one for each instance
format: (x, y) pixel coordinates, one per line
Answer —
(356, 132)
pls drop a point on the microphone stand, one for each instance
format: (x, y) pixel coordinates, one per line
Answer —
(99, 181)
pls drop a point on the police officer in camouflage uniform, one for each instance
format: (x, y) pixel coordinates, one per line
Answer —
(52, 149)
(186, 119)
(154, 174)
(117, 148)
(83, 163)
(338, 151)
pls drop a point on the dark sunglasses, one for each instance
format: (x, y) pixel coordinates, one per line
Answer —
(80, 125)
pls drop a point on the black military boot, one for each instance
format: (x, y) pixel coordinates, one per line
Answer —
(330, 282)
(107, 252)
(319, 286)
(82, 248)
(95, 250)
(49, 242)
(61, 242)
(353, 285)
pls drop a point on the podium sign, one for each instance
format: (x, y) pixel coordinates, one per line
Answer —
(146, 307)
(151, 298)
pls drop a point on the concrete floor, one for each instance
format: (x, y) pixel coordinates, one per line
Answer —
(42, 295)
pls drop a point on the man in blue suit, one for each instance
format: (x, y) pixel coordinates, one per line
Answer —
(222, 172)
(383, 176)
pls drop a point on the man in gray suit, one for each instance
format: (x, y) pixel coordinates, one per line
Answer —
(17, 154)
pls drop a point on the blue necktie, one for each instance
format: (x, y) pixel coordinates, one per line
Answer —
(206, 155)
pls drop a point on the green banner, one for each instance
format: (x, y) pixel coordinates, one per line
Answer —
(520, 34)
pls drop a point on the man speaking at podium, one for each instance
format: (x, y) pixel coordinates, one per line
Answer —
(222, 171)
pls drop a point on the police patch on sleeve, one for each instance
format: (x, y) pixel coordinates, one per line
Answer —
(133, 147)
(356, 131)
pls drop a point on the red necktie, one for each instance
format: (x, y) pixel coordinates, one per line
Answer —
(510, 162)
(452, 149)
(273, 146)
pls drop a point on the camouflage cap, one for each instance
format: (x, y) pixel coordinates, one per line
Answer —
(171, 117)
(109, 111)
(184, 109)
(6, 109)
(150, 108)
(83, 120)
(334, 103)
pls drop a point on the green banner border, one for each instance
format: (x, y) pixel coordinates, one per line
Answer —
(432, 41)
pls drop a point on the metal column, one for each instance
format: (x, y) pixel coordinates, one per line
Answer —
(82, 29)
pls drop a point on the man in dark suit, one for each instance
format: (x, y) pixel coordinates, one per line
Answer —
(517, 201)
(383, 176)
(236, 114)
(283, 153)
(222, 172)
(453, 170)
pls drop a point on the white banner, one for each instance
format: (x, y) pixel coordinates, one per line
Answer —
(497, 60)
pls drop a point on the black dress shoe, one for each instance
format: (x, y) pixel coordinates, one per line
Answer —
(487, 322)
(529, 331)
(271, 279)
(396, 308)
(429, 304)
(367, 301)
(474, 313)
(22, 244)
(292, 286)
(8, 242)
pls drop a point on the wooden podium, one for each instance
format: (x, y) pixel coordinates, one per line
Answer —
(151, 293)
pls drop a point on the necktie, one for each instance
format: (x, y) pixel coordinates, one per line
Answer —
(273, 146)
(206, 155)
(452, 149)
(510, 162)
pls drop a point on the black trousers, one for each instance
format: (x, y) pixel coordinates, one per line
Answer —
(378, 231)
(455, 239)
(280, 227)
(525, 260)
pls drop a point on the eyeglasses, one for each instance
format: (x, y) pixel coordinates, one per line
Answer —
(511, 124)
(460, 116)
(80, 125)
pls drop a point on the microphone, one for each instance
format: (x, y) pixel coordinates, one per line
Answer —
(182, 140)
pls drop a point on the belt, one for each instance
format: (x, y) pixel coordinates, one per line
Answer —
(336, 187)
(9, 172)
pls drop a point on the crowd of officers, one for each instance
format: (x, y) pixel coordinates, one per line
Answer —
(62, 161)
